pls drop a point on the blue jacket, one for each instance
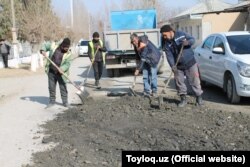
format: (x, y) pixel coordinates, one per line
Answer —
(172, 49)
(149, 54)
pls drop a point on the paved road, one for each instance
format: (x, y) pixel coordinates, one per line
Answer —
(23, 100)
(22, 109)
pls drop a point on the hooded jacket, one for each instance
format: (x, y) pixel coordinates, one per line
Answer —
(150, 54)
(66, 60)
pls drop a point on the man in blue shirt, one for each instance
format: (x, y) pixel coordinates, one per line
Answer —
(187, 66)
(149, 57)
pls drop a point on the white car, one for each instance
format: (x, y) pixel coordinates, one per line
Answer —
(224, 61)
(83, 48)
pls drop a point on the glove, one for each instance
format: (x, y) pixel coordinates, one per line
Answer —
(174, 69)
(98, 47)
(43, 52)
(136, 72)
(185, 43)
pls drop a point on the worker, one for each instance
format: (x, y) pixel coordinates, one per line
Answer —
(149, 59)
(96, 53)
(187, 66)
(61, 56)
(4, 51)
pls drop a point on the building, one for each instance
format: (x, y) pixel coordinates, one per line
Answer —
(210, 17)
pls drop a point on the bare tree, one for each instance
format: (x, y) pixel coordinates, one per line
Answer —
(139, 4)
(37, 21)
(101, 20)
(81, 20)
(5, 18)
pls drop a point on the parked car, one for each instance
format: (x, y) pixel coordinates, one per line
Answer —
(224, 61)
(83, 48)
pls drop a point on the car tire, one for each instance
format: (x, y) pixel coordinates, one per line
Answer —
(116, 72)
(110, 73)
(231, 92)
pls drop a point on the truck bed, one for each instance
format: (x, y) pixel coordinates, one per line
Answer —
(121, 54)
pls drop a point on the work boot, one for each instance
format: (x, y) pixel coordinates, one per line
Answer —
(199, 101)
(183, 101)
(154, 94)
(96, 83)
(146, 94)
(98, 86)
(51, 104)
(66, 105)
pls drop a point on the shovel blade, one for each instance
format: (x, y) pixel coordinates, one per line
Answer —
(83, 94)
(164, 91)
(156, 102)
(132, 91)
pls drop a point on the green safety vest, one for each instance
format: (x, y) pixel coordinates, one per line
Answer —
(93, 50)
(66, 58)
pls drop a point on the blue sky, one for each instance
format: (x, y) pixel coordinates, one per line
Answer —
(62, 6)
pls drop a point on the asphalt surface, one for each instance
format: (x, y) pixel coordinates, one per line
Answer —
(23, 99)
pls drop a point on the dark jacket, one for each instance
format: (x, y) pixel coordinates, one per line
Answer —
(173, 47)
(4, 48)
(149, 54)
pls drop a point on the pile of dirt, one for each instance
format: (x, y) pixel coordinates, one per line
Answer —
(95, 134)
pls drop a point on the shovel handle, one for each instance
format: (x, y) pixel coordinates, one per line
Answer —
(134, 82)
(92, 62)
(177, 61)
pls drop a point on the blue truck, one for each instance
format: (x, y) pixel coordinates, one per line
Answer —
(120, 54)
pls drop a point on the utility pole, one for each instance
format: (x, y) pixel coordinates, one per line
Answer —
(89, 20)
(72, 16)
(14, 36)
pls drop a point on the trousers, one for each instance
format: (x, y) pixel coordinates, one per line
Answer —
(5, 59)
(193, 78)
(98, 69)
(149, 78)
(53, 79)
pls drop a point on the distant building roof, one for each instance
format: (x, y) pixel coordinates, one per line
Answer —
(204, 7)
(240, 7)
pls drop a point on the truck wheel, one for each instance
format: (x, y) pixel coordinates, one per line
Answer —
(116, 72)
(231, 90)
(110, 73)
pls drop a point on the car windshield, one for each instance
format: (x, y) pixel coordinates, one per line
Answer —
(84, 43)
(239, 44)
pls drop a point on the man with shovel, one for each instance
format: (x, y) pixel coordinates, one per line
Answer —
(175, 42)
(149, 58)
(96, 54)
(61, 56)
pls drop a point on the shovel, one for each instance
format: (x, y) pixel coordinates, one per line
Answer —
(81, 92)
(170, 76)
(133, 86)
(85, 80)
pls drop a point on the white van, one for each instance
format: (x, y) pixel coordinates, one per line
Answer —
(83, 48)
